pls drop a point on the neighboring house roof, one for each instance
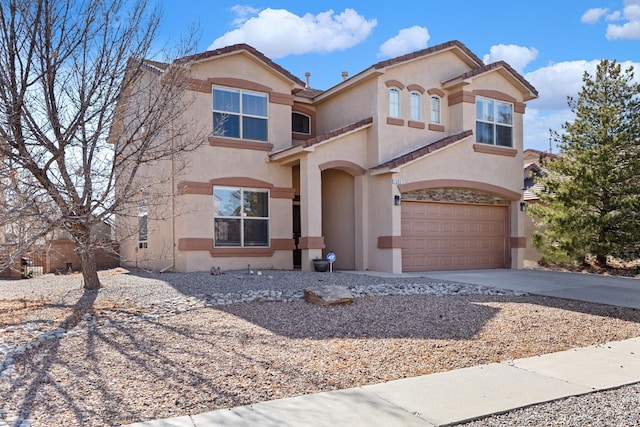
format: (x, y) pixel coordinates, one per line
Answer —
(424, 150)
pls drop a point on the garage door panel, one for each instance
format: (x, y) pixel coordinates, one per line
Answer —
(442, 236)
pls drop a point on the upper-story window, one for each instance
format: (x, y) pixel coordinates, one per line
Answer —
(394, 102)
(240, 114)
(300, 123)
(494, 122)
(435, 109)
(241, 217)
(416, 106)
(142, 226)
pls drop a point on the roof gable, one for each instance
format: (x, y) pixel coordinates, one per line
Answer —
(240, 49)
(525, 87)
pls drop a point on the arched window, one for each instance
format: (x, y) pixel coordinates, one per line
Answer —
(416, 106)
(435, 109)
(394, 102)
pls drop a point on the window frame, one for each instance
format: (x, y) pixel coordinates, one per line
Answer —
(416, 107)
(436, 101)
(143, 226)
(308, 117)
(242, 218)
(394, 103)
(241, 115)
(493, 121)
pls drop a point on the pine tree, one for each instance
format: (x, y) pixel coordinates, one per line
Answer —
(591, 199)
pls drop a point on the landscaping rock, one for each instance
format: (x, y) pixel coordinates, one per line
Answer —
(328, 295)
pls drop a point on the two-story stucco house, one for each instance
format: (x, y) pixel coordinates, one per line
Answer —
(413, 164)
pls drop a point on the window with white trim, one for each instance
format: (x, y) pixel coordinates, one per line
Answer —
(300, 123)
(143, 234)
(494, 122)
(435, 109)
(240, 114)
(394, 102)
(416, 106)
(241, 217)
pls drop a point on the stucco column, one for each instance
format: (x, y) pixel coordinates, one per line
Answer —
(311, 241)
(518, 241)
(361, 223)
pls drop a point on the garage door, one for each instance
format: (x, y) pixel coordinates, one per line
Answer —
(447, 236)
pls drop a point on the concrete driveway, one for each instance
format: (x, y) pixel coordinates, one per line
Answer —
(620, 291)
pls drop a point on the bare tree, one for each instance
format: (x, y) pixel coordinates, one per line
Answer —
(78, 106)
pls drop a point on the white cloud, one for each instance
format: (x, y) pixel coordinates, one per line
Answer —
(243, 13)
(554, 84)
(516, 56)
(278, 32)
(631, 28)
(592, 16)
(407, 40)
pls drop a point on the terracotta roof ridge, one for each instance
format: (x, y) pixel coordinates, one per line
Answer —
(338, 132)
(427, 51)
(239, 47)
(424, 150)
(492, 66)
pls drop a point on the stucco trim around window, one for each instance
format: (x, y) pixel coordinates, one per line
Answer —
(395, 121)
(217, 141)
(416, 125)
(206, 188)
(436, 91)
(394, 83)
(494, 149)
(415, 88)
(470, 97)
(436, 128)
(194, 244)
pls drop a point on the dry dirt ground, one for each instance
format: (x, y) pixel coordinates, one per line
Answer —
(217, 357)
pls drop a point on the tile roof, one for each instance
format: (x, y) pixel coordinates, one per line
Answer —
(428, 51)
(424, 150)
(337, 132)
(495, 65)
(240, 47)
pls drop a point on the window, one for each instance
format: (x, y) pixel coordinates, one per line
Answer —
(494, 122)
(435, 109)
(239, 114)
(394, 102)
(241, 217)
(300, 123)
(416, 106)
(142, 226)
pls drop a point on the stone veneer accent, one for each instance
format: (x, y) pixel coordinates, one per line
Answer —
(455, 195)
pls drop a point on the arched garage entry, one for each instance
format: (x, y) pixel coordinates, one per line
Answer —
(453, 228)
(338, 216)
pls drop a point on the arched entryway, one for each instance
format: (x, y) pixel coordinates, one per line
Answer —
(338, 217)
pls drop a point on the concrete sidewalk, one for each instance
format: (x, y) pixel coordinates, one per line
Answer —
(442, 398)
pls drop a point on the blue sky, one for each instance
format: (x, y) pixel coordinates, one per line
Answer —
(551, 43)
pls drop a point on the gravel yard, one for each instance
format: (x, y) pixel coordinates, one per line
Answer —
(149, 346)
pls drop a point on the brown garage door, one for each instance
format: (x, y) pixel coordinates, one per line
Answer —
(447, 236)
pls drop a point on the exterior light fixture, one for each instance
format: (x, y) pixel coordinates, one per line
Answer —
(523, 206)
(396, 200)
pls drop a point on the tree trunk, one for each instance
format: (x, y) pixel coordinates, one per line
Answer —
(89, 270)
(601, 260)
